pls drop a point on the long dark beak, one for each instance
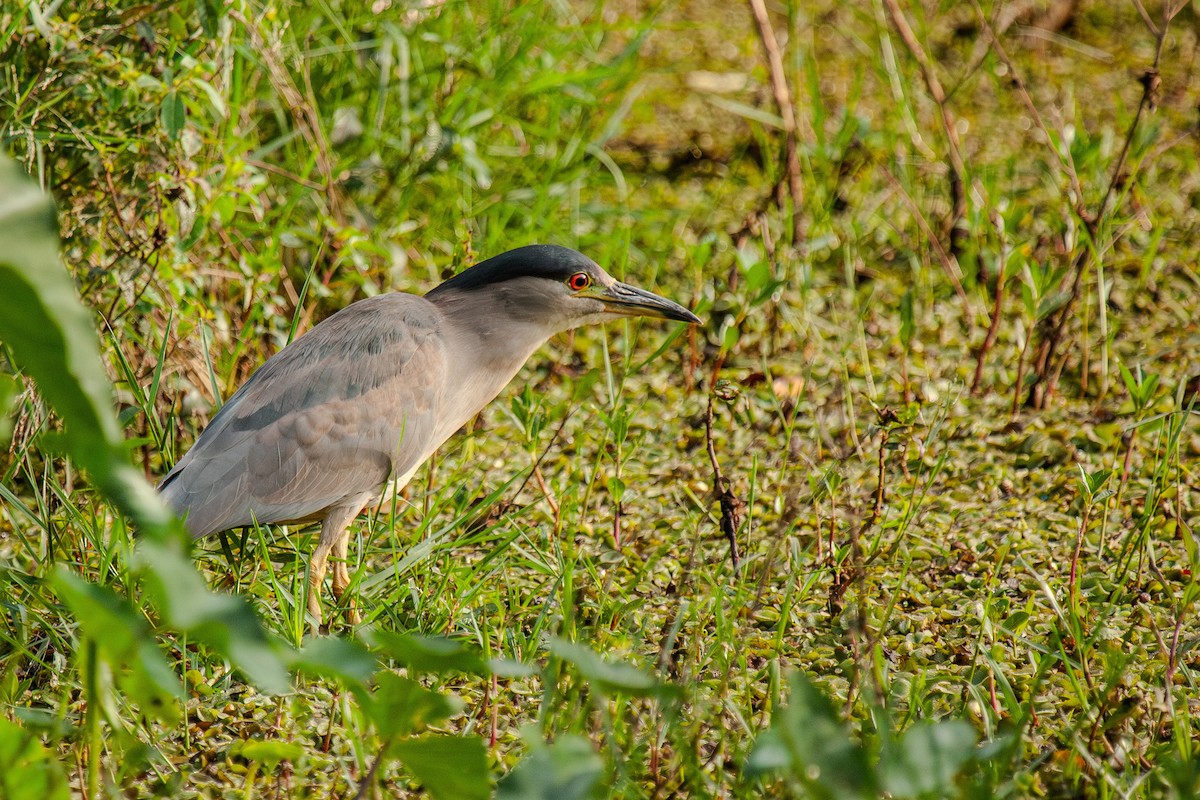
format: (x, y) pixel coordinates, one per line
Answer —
(630, 301)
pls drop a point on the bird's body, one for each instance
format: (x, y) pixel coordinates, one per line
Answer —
(358, 403)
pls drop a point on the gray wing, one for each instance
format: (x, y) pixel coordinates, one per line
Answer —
(333, 415)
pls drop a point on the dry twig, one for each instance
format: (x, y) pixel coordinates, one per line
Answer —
(731, 504)
(787, 111)
(997, 303)
(952, 228)
(1048, 361)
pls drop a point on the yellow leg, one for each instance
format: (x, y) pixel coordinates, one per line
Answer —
(333, 531)
(341, 576)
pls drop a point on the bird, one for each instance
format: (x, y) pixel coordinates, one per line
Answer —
(357, 404)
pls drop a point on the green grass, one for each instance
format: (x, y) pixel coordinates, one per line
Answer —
(904, 618)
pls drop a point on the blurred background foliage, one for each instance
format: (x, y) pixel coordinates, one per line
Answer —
(943, 398)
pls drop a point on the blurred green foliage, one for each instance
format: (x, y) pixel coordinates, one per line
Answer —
(550, 609)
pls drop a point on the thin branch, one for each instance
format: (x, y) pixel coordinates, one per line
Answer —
(1151, 83)
(302, 107)
(1064, 160)
(997, 303)
(368, 780)
(731, 504)
(1048, 362)
(1145, 17)
(787, 111)
(949, 263)
(958, 170)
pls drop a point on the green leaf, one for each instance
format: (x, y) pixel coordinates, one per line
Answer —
(808, 742)
(223, 622)
(177, 25)
(747, 111)
(1131, 383)
(450, 767)
(1093, 482)
(729, 333)
(1051, 303)
(567, 769)
(337, 659)
(269, 752)
(209, 13)
(28, 771)
(927, 758)
(10, 387)
(400, 706)
(125, 641)
(430, 654)
(908, 325)
(173, 114)
(610, 677)
(1016, 621)
(42, 722)
(770, 755)
(53, 341)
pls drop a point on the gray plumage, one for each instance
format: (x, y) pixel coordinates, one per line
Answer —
(364, 398)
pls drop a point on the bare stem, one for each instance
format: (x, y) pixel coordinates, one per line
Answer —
(1087, 513)
(787, 111)
(958, 170)
(731, 504)
(997, 306)
(1048, 362)
(949, 263)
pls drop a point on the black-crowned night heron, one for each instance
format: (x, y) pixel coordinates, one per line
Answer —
(358, 403)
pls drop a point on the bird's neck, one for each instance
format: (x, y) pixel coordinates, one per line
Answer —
(489, 346)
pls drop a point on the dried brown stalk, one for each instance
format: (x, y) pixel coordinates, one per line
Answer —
(731, 504)
(1048, 361)
(958, 171)
(302, 105)
(997, 304)
(949, 263)
(787, 111)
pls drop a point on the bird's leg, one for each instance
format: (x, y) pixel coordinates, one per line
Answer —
(316, 576)
(333, 528)
(341, 576)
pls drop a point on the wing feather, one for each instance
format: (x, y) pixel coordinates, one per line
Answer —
(331, 416)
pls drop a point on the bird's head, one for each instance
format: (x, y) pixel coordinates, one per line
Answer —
(553, 287)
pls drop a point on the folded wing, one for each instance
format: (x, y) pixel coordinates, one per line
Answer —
(331, 417)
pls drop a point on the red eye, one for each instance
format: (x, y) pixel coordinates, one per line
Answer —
(579, 281)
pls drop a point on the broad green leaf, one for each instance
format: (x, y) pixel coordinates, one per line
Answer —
(28, 771)
(808, 742)
(429, 654)
(770, 755)
(400, 706)
(339, 659)
(449, 767)
(43, 722)
(268, 752)
(567, 769)
(927, 758)
(125, 641)
(608, 676)
(174, 114)
(53, 341)
(10, 387)
(223, 622)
